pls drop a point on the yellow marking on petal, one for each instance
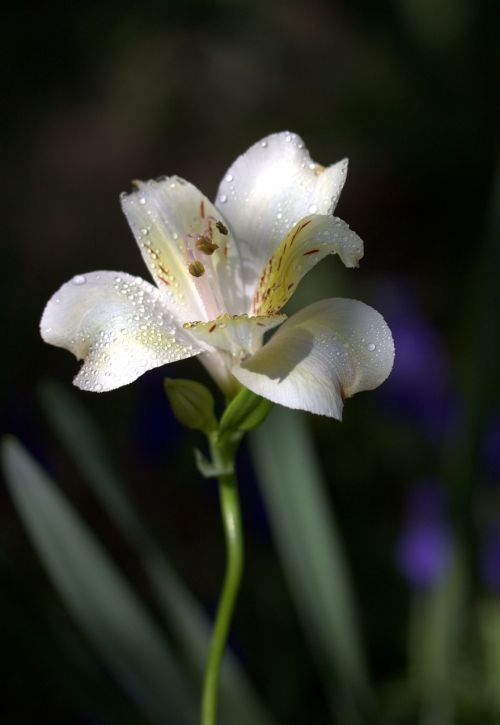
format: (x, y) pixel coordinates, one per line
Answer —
(310, 240)
(281, 273)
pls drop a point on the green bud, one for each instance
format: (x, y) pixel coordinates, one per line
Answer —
(245, 412)
(192, 403)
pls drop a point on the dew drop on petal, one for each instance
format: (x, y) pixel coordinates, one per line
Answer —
(229, 177)
(223, 199)
(313, 209)
(264, 144)
(142, 200)
(372, 347)
(98, 388)
(79, 279)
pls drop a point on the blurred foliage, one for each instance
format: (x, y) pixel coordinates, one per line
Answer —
(96, 94)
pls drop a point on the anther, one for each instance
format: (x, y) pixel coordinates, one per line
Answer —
(196, 269)
(206, 246)
(222, 227)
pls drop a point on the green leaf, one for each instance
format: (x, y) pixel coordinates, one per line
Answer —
(96, 594)
(189, 624)
(435, 641)
(245, 412)
(311, 553)
(192, 403)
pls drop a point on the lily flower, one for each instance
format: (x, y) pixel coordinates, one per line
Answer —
(222, 274)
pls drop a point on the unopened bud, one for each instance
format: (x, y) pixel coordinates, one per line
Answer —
(192, 404)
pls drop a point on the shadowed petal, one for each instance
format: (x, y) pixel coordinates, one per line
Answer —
(117, 324)
(270, 188)
(323, 354)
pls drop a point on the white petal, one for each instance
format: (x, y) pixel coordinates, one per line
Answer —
(116, 323)
(239, 335)
(320, 356)
(168, 218)
(312, 239)
(268, 190)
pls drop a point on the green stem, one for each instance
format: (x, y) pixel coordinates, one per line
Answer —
(230, 510)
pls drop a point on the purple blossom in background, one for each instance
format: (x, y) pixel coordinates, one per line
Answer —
(419, 387)
(491, 449)
(424, 543)
(490, 559)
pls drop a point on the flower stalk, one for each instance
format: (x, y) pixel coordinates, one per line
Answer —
(223, 458)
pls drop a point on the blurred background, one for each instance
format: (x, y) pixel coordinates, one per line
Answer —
(96, 94)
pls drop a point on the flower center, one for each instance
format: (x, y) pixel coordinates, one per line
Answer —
(203, 250)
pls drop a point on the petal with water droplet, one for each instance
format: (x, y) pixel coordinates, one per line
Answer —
(168, 218)
(319, 357)
(118, 325)
(268, 190)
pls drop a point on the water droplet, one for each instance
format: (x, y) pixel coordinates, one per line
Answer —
(223, 199)
(264, 144)
(98, 388)
(372, 347)
(142, 200)
(279, 215)
(313, 209)
(229, 177)
(79, 279)
(288, 138)
(57, 300)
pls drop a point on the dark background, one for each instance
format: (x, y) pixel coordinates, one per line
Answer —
(96, 94)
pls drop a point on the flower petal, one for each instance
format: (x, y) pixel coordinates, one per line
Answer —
(239, 335)
(268, 190)
(169, 218)
(320, 356)
(118, 325)
(312, 239)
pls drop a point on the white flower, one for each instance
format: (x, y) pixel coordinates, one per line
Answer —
(222, 274)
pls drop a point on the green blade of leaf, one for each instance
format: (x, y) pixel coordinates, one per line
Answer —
(310, 550)
(96, 594)
(435, 639)
(189, 624)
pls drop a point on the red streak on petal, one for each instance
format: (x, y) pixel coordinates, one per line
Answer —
(311, 251)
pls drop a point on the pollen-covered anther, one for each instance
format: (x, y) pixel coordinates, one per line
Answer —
(222, 228)
(196, 269)
(205, 245)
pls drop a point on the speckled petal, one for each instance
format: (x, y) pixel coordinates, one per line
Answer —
(268, 190)
(304, 246)
(118, 325)
(169, 219)
(239, 335)
(323, 354)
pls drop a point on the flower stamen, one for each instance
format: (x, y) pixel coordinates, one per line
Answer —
(196, 268)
